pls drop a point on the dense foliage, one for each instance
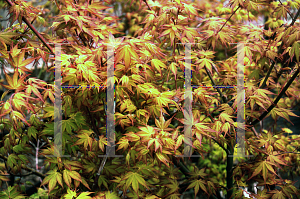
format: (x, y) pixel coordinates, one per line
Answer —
(149, 83)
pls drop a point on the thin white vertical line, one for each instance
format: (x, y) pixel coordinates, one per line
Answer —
(110, 112)
(240, 101)
(188, 114)
(110, 128)
(57, 104)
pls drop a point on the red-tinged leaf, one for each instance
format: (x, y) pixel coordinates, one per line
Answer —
(226, 127)
(37, 93)
(172, 36)
(52, 184)
(83, 181)
(67, 178)
(150, 142)
(199, 137)
(9, 80)
(162, 158)
(102, 141)
(59, 179)
(165, 32)
(173, 67)
(98, 6)
(146, 131)
(127, 57)
(278, 194)
(85, 139)
(287, 130)
(6, 36)
(158, 144)
(281, 11)
(52, 178)
(276, 159)
(156, 63)
(75, 175)
(205, 63)
(257, 169)
(20, 116)
(189, 8)
(295, 51)
(26, 62)
(225, 117)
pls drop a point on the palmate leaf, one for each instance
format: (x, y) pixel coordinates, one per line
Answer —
(198, 184)
(84, 195)
(19, 116)
(52, 178)
(125, 53)
(162, 158)
(157, 64)
(262, 168)
(6, 36)
(85, 139)
(70, 194)
(205, 63)
(278, 194)
(295, 51)
(134, 179)
(14, 83)
(11, 192)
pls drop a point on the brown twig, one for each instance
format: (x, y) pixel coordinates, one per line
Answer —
(34, 30)
(149, 7)
(277, 98)
(228, 19)
(279, 52)
(27, 168)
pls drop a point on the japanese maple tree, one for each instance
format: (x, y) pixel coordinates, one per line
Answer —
(149, 77)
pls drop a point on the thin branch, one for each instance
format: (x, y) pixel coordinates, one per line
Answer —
(255, 131)
(21, 175)
(277, 98)
(279, 52)
(58, 6)
(34, 30)
(27, 168)
(287, 11)
(149, 7)
(228, 19)
(92, 121)
(227, 152)
(181, 167)
(214, 84)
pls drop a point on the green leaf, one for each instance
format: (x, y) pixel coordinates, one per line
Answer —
(6, 36)
(67, 177)
(75, 175)
(295, 51)
(84, 195)
(134, 179)
(32, 132)
(70, 194)
(12, 160)
(197, 184)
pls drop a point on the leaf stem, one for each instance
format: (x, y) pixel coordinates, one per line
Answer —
(33, 29)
